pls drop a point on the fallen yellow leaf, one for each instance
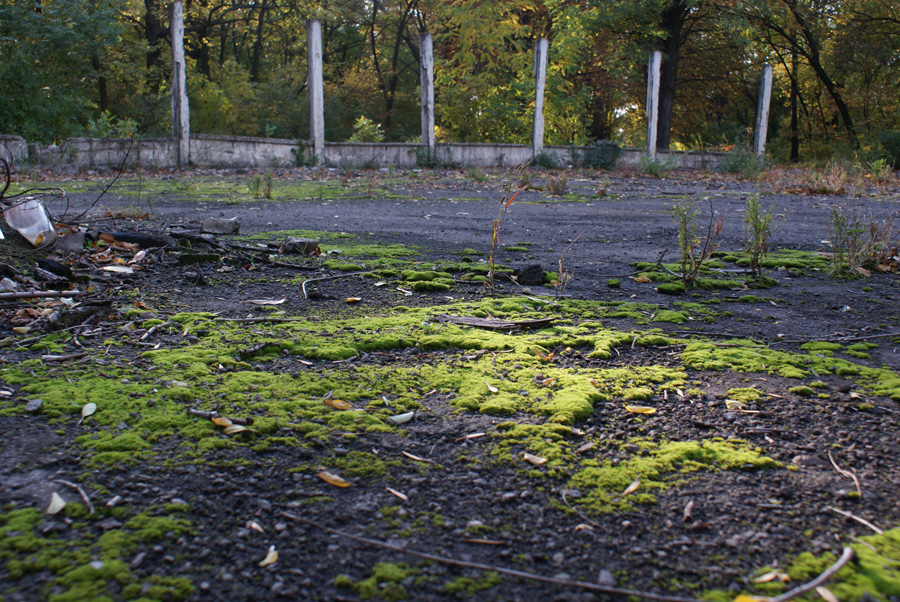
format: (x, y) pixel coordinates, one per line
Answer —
(641, 409)
(536, 460)
(338, 404)
(492, 388)
(399, 494)
(236, 428)
(333, 479)
(633, 487)
(271, 557)
(642, 279)
(221, 421)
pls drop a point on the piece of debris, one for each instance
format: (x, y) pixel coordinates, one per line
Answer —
(300, 246)
(30, 218)
(220, 225)
(70, 243)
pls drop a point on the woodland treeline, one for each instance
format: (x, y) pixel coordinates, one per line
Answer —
(101, 67)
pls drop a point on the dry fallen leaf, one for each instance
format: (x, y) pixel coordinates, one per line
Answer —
(746, 598)
(400, 495)
(236, 428)
(255, 526)
(56, 503)
(268, 301)
(402, 418)
(492, 388)
(536, 460)
(337, 404)
(586, 447)
(118, 269)
(271, 557)
(354, 299)
(633, 487)
(88, 409)
(417, 458)
(221, 421)
(21, 329)
(772, 576)
(641, 409)
(642, 279)
(333, 479)
(826, 594)
(734, 404)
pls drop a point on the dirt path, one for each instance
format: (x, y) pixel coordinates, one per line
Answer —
(528, 448)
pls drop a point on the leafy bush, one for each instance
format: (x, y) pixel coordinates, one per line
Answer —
(743, 162)
(603, 154)
(890, 143)
(366, 130)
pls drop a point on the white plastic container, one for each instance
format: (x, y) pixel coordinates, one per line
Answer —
(30, 218)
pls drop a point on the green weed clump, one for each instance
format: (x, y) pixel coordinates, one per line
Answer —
(758, 230)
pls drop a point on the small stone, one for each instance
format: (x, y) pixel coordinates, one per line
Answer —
(474, 524)
(109, 523)
(96, 564)
(70, 243)
(34, 405)
(138, 560)
(606, 578)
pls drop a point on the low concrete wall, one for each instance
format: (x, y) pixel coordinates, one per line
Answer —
(242, 152)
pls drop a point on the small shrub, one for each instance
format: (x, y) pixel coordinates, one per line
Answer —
(759, 228)
(656, 168)
(744, 163)
(546, 160)
(557, 185)
(602, 154)
(366, 130)
(694, 252)
(859, 243)
(890, 144)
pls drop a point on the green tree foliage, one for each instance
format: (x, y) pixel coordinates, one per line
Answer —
(69, 67)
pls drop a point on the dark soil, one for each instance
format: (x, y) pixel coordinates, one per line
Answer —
(493, 513)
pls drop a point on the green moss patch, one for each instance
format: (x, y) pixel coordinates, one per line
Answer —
(659, 466)
(87, 568)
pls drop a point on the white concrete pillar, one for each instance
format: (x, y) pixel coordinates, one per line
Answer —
(653, 101)
(426, 83)
(540, 78)
(316, 89)
(762, 112)
(181, 123)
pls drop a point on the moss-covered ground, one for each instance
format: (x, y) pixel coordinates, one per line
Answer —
(673, 441)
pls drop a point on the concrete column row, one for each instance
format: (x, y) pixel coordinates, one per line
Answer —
(181, 121)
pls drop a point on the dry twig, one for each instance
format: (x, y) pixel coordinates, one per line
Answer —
(80, 491)
(305, 282)
(858, 519)
(847, 555)
(846, 473)
(489, 567)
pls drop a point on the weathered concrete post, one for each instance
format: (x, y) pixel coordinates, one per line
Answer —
(426, 83)
(653, 101)
(316, 93)
(540, 78)
(181, 124)
(762, 112)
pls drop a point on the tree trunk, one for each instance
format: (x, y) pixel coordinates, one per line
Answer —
(101, 83)
(258, 44)
(795, 132)
(153, 31)
(672, 22)
(814, 59)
